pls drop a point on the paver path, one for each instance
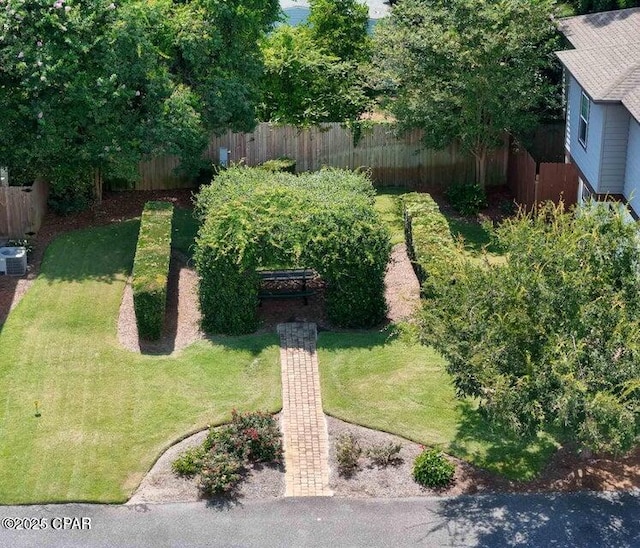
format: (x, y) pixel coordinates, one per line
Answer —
(306, 442)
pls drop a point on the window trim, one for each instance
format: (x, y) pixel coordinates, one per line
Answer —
(584, 100)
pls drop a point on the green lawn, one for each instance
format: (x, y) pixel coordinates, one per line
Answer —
(107, 413)
(185, 228)
(390, 211)
(403, 388)
(476, 239)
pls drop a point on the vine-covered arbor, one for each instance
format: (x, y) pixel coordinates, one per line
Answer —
(325, 220)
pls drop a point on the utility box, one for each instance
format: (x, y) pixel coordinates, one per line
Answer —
(13, 261)
(223, 154)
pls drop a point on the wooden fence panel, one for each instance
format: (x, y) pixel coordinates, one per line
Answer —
(22, 209)
(392, 160)
(522, 177)
(557, 182)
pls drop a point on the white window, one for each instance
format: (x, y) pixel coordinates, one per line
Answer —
(583, 128)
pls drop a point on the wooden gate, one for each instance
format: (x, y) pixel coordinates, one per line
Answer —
(534, 183)
(22, 209)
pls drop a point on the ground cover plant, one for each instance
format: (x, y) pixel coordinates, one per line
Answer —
(323, 220)
(551, 338)
(401, 387)
(106, 413)
(151, 268)
(222, 459)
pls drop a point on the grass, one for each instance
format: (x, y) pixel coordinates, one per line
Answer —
(476, 239)
(185, 228)
(106, 413)
(388, 207)
(403, 388)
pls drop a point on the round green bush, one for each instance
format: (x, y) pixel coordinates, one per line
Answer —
(432, 469)
(467, 198)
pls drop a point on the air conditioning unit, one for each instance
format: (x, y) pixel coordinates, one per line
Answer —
(13, 261)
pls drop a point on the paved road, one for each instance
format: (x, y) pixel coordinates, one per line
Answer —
(571, 520)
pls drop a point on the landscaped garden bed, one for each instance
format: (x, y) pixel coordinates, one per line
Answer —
(83, 436)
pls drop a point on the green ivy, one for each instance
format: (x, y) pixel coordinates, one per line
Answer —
(323, 220)
(151, 268)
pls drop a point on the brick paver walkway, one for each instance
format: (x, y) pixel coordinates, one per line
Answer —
(306, 443)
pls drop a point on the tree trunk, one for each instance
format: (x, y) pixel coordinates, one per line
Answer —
(97, 186)
(481, 167)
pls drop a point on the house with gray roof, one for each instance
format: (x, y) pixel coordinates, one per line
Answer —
(603, 103)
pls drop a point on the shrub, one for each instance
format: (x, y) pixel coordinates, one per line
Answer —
(261, 434)
(221, 473)
(252, 437)
(189, 463)
(430, 246)
(70, 192)
(151, 268)
(226, 439)
(385, 454)
(432, 469)
(323, 220)
(283, 164)
(548, 340)
(467, 198)
(348, 452)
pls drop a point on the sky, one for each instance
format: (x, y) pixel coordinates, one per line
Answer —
(298, 10)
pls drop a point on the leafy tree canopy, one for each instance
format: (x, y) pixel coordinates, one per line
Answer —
(466, 70)
(551, 339)
(91, 84)
(313, 71)
(340, 28)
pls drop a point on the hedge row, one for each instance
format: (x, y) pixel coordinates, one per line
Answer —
(151, 269)
(252, 218)
(430, 246)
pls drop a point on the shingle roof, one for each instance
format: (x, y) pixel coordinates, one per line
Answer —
(606, 61)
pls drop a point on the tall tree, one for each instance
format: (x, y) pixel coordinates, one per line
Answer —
(92, 85)
(304, 86)
(314, 71)
(340, 28)
(466, 70)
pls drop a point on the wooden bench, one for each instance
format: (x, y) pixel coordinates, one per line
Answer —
(296, 277)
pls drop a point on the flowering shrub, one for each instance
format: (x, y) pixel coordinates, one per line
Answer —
(221, 473)
(227, 450)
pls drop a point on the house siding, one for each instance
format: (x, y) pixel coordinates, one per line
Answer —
(614, 149)
(588, 161)
(632, 173)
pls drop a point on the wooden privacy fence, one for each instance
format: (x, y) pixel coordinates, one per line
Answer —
(392, 160)
(22, 209)
(533, 182)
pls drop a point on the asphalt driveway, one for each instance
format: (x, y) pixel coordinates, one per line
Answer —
(572, 520)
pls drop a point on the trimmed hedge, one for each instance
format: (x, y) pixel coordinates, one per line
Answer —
(430, 246)
(283, 164)
(151, 269)
(323, 220)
